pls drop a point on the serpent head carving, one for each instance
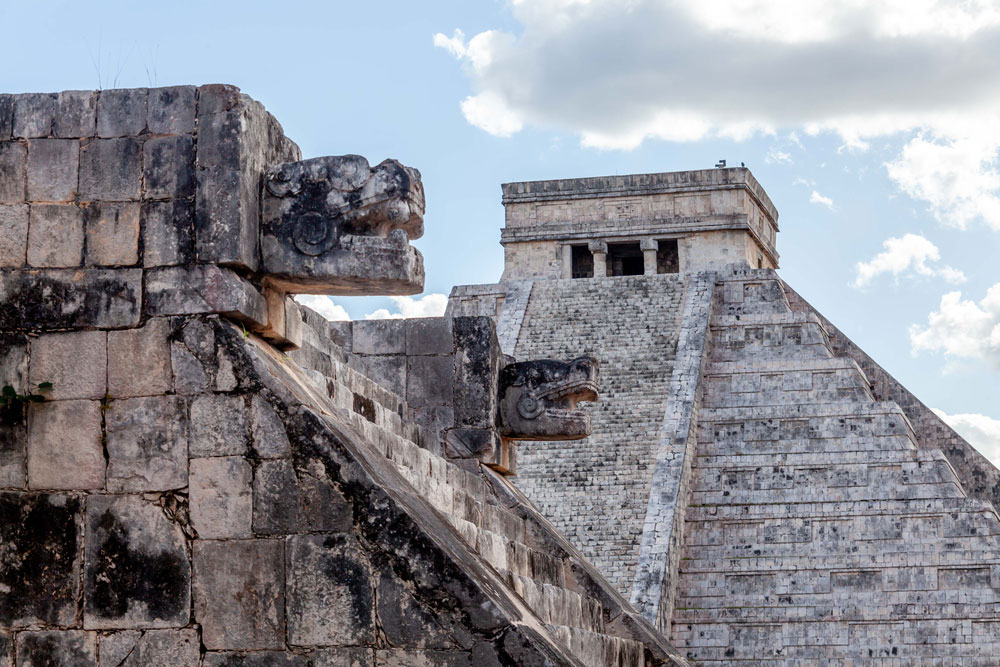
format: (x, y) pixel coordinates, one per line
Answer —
(538, 399)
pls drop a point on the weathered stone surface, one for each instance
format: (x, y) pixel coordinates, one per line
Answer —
(110, 169)
(53, 169)
(538, 399)
(139, 360)
(75, 362)
(121, 112)
(329, 576)
(286, 501)
(221, 500)
(6, 116)
(190, 376)
(40, 572)
(13, 439)
(168, 167)
(137, 573)
(13, 166)
(58, 299)
(417, 658)
(112, 234)
(327, 657)
(429, 381)
(6, 649)
(55, 235)
(77, 114)
(204, 289)
(388, 370)
(147, 444)
(429, 335)
(379, 337)
(216, 98)
(218, 425)
(404, 621)
(34, 115)
(267, 432)
(171, 110)
(13, 234)
(239, 590)
(224, 217)
(167, 233)
(150, 648)
(57, 648)
(477, 364)
(64, 445)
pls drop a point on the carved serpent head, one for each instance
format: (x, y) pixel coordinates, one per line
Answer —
(538, 399)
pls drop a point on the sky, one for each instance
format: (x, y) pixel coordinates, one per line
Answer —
(874, 126)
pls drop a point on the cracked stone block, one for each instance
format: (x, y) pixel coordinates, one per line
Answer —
(53, 169)
(379, 337)
(13, 165)
(150, 648)
(225, 217)
(147, 444)
(110, 169)
(168, 167)
(139, 360)
(189, 373)
(136, 572)
(167, 233)
(77, 114)
(171, 110)
(39, 580)
(286, 501)
(218, 425)
(64, 445)
(239, 594)
(404, 621)
(34, 114)
(55, 235)
(57, 648)
(329, 577)
(70, 298)
(74, 362)
(221, 500)
(174, 290)
(267, 432)
(13, 235)
(112, 234)
(121, 112)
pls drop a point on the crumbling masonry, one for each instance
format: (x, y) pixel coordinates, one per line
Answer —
(640, 436)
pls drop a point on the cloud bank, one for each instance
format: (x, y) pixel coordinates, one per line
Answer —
(429, 305)
(908, 255)
(962, 329)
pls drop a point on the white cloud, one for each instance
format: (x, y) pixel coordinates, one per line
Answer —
(323, 305)
(429, 305)
(618, 72)
(906, 255)
(963, 329)
(981, 431)
(776, 156)
(817, 198)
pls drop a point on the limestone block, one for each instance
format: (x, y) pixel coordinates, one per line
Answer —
(55, 235)
(477, 364)
(64, 445)
(216, 98)
(224, 217)
(13, 234)
(59, 299)
(168, 167)
(147, 444)
(429, 381)
(218, 425)
(388, 370)
(379, 337)
(110, 169)
(267, 432)
(239, 594)
(112, 233)
(167, 233)
(189, 374)
(419, 658)
(329, 577)
(204, 289)
(137, 573)
(404, 621)
(53, 169)
(221, 502)
(150, 648)
(139, 360)
(13, 439)
(429, 335)
(40, 577)
(74, 362)
(6, 116)
(34, 115)
(121, 112)
(326, 657)
(13, 166)
(171, 110)
(287, 502)
(77, 114)
(56, 647)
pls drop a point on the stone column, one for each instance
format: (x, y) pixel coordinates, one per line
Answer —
(600, 251)
(648, 247)
(567, 261)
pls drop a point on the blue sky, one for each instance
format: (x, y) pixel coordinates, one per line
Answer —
(864, 121)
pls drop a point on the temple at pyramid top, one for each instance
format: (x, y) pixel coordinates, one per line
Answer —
(674, 222)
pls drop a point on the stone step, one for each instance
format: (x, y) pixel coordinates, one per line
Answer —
(599, 650)
(837, 509)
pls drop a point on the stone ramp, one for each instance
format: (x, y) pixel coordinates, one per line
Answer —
(595, 490)
(817, 531)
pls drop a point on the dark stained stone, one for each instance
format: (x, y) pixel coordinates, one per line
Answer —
(34, 114)
(137, 571)
(477, 364)
(57, 649)
(65, 298)
(39, 558)
(77, 114)
(110, 169)
(404, 621)
(286, 502)
(167, 233)
(6, 116)
(150, 648)
(168, 167)
(121, 112)
(171, 110)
